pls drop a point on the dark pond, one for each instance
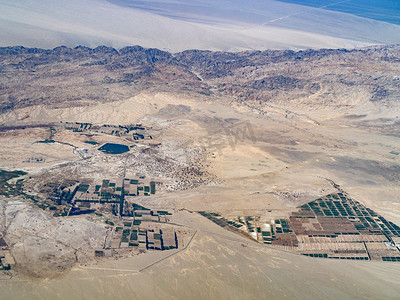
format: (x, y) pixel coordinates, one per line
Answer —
(111, 148)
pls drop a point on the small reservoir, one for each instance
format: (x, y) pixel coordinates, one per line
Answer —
(111, 148)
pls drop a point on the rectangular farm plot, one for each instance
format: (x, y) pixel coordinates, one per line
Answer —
(134, 233)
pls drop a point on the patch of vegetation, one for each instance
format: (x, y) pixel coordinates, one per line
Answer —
(5, 176)
(46, 141)
(234, 224)
(8, 189)
(209, 214)
(134, 235)
(91, 142)
(163, 212)
(125, 234)
(139, 207)
(108, 222)
(83, 187)
(152, 187)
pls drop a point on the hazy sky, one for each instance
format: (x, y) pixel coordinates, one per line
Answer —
(380, 10)
(177, 25)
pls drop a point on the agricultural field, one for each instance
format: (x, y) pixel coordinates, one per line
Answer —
(334, 226)
(114, 196)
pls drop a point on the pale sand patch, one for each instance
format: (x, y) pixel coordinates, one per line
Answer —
(126, 111)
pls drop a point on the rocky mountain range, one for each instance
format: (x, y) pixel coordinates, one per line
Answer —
(313, 79)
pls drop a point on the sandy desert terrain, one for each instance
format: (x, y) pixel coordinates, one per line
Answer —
(223, 152)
